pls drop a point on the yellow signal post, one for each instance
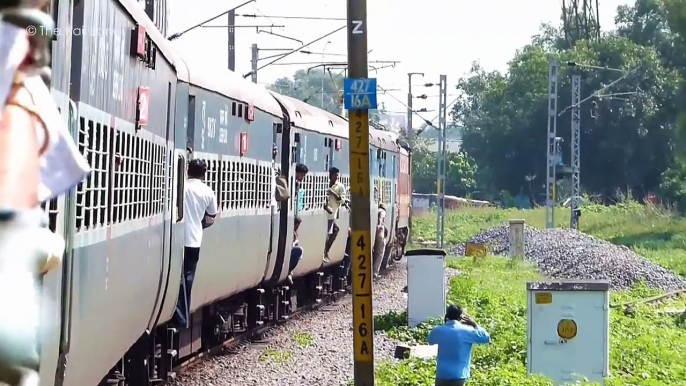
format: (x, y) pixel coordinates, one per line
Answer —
(360, 97)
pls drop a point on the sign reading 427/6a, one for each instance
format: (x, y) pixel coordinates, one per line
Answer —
(359, 94)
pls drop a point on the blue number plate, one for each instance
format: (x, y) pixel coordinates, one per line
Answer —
(359, 94)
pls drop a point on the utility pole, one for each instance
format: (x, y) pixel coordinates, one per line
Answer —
(440, 160)
(576, 164)
(360, 97)
(253, 61)
(232, 39)
(410, 138)
(410, 133)
(552, 145)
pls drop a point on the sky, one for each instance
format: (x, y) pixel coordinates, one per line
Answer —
(430, 36)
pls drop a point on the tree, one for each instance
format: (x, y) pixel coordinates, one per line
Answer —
(628, 145)
(460, 171)
(308, 87)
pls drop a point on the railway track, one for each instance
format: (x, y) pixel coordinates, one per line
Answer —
(259, 331)
(653, 299)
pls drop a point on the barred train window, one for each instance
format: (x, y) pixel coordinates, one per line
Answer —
(139, 178)
(91, 199)
(170, 173)
(240, 184)
(127, 180)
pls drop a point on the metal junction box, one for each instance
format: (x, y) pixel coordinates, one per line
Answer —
(426, 290)
(568, 330)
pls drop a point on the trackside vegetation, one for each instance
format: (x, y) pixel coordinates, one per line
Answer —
(647, 345)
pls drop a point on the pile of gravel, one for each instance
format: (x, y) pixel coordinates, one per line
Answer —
(569, 254)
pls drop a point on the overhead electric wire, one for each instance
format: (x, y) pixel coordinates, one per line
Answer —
(296, 50)
(595, 94)
(293, 17)
(429, 123)
(334, 63)
(401, 102)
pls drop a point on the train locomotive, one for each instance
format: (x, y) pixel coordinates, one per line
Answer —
(139, 113)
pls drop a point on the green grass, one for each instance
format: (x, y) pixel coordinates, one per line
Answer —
(647, 348)
(653, 232)
(275, 356)
(302, 338)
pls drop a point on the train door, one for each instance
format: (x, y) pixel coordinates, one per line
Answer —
(165, 263)
(67, 275)
(276, 170)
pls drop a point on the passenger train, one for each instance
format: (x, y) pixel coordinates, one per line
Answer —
(139, 112)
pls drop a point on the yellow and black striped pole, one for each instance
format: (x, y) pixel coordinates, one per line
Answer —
(360, 96)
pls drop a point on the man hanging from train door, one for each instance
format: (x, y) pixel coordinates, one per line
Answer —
(336, 198)
(199, 211)
(297, 251)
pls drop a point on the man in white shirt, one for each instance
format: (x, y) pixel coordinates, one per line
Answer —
(336, 198)
(199, 211)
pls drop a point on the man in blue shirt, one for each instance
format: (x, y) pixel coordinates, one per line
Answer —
(455, 339)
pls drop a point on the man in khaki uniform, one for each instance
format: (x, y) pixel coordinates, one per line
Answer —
(336, 198)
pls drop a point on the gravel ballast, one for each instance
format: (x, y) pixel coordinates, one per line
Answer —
(569, 254)
(287, 360)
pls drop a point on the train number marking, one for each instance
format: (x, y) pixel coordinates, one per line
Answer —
(202, 131)
(223, 135)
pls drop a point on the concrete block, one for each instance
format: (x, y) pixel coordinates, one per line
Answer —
(422, 351)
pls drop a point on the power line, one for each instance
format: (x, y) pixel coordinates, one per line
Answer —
(333, 63)
(399, 101)
(293, 17)
(429, 123)
(295, 50)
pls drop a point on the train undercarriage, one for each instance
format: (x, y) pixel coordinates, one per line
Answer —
(158, 355)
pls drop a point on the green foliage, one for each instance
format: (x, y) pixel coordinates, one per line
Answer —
(460, 171)
(630, 141)
(308, 87)
(302, 338)
(646, 347)
(395, 326)
(651, 231)
(275, 356)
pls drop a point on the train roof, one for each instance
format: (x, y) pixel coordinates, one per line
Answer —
(163, 45)
(383, 139)
(312, 118)
(231, 85)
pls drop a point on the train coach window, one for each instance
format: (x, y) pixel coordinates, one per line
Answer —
(180, 186)
(211, 175)
(233, 184)
(169, 156)
(264, 185)
(233, 109)
(157, 187)
(252, 186)
(223, 194)
(240, 110)
(91, 196)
